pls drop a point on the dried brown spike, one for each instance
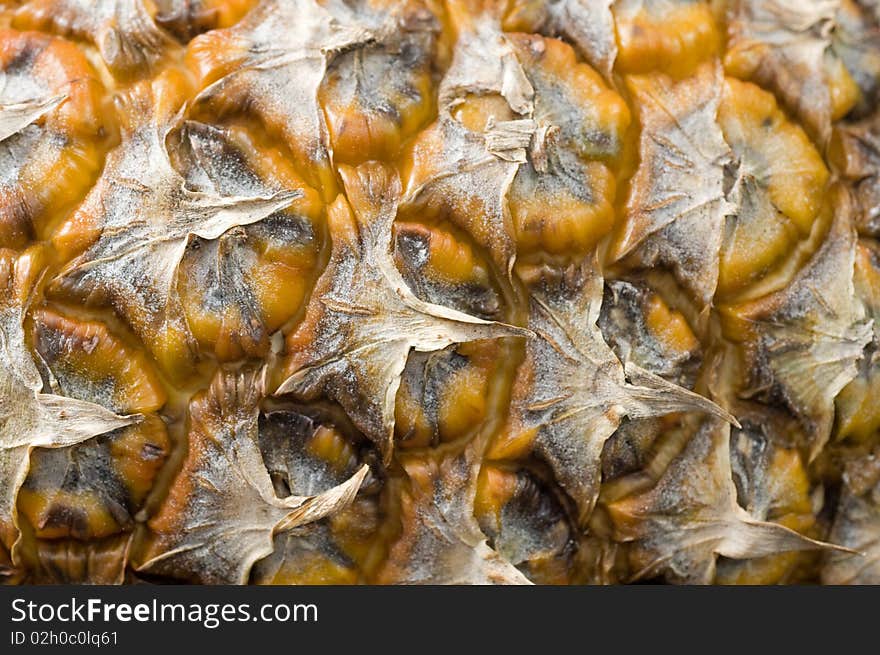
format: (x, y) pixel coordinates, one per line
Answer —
(363, 320)
(803, 342)
(223, 511)
(143, 215)
(571, 392)
(679, 526)
(677, 206)
(30, 418)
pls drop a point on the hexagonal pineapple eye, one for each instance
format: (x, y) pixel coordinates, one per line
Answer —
(376, 97)
(780, 182)
(561, 198)
(51, 99)
(239, 288)
(443, 395)
(93, 490)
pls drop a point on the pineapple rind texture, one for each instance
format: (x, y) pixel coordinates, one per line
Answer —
(439, 291)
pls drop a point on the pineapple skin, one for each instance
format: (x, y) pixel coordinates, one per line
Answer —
(439, 291)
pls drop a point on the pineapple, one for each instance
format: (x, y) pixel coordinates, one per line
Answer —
(439, 291)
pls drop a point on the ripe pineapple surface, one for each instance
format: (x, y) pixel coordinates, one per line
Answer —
(440, 291)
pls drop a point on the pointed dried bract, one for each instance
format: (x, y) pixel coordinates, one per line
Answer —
(363, 320)
(676, 207)
(306, 456)
(588, 24)
(28, 417)
(802, 343)
(15, 116)
(771, 485)
(682, 524)
(223, 511)
(781, 45)
(124, 31)
(239, 288)
(857, 526)
(440, 540)
(571, 392)
(144, 215)
(275, 60)
(856, 149)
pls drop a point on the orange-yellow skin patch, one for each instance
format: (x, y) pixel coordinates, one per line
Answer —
(358, 134)
(463, 402)
(136, 455)
(51, 181)
(495, 488)
(88, 349)
(778, 157)
(202, 15)
(450, 259)
(844, 90)
(314, 568)
(563, 223)
(670, 326)
(91, 350)
(512, 446)
(558, 219)
(663, 35)
(330, 446)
